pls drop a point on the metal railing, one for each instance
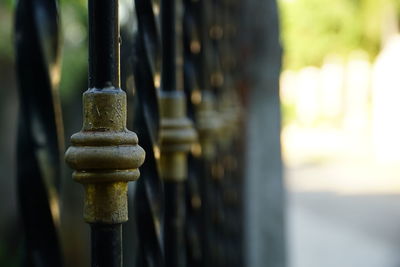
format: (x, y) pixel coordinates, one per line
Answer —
(187, 204)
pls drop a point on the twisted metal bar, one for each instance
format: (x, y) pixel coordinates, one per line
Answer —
(149, 191)
(39, 130)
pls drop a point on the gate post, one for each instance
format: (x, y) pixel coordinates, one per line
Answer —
(264, 187)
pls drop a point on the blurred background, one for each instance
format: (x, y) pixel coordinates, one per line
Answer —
(340, 94)
(340, 88)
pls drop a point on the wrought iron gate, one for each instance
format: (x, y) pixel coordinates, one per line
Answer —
(187, 142)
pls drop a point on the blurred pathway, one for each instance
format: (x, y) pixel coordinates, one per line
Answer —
(341, 229)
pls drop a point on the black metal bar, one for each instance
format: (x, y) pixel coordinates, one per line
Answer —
(198, 59)
(175, 144)
(148, 200)
(168, 42)
(174, 211)
(103, 44)
(206, 210)
(106, 245)
(104, 71)
(39, 130)
(172, 80)
(205, 10)
(193, 224)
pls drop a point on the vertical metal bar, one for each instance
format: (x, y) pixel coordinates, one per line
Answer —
(174, 212)
(208, 125)
(105, 155)
(106, 239)
(103, 44)
(106, 242)
(176, 135)
(194, 85)
(168, 43)
(148, 192)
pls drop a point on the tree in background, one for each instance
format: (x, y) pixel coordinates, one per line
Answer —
(312, 29)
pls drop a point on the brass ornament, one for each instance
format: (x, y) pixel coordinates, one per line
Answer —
(177, 135)
(105, 156)
(208, 124)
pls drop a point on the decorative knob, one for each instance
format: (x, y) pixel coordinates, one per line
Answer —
(105, 156)
(177, 135)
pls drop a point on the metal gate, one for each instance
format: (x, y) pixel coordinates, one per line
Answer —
(185, 154)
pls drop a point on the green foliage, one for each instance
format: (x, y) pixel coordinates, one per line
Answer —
(74, 70)
(73, 17)
(312, 29)
(7, 3)
(74, 58)
(289, 113)
(6, 27)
